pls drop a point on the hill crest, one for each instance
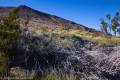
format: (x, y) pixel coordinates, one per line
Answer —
(25, 11)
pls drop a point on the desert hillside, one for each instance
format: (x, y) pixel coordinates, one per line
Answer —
(47, 45)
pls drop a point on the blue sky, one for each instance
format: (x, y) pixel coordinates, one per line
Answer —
(85, 12)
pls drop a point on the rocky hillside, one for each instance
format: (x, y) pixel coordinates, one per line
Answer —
(36, 18)
(50, 43)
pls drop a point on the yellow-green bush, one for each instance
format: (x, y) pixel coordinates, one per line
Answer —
(56, 76)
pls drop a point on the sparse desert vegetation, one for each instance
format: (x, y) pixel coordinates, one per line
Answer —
(48, 48)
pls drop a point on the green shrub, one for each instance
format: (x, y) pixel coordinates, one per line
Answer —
(3, 62)
(9, 33)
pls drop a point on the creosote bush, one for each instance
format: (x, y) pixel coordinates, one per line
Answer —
(9, 33)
